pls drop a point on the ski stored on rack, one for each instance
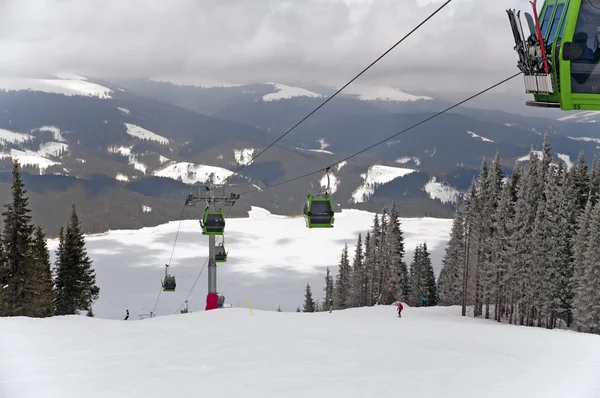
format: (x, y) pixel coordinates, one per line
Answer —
(560, 59)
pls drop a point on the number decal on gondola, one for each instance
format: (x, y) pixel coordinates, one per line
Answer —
(576, 106)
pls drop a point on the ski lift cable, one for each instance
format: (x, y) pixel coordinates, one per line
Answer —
(338, 91)
(176, 235)
(193, 286)
(171, 258)
(386, 139)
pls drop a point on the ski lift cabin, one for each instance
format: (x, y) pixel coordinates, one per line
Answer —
(220, 254)
(169, 284)
(560, 58)
(318, 211)
(213, 222)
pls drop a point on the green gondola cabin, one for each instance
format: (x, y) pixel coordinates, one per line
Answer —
(220, 254)
(318, 211)
(169, 284)
(213, 222)
(560, 58)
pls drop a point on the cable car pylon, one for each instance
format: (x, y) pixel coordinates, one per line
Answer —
(212, 224)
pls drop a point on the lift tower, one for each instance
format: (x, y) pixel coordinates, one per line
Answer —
(214, 203)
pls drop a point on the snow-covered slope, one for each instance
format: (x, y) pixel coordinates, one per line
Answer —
(28, 158)
(287, 92)
(7, 136)
(472, 134)
(270, 257)
(235, 352)
(588, 139)
(143, 134)
(243, 156)
(69, 84)
(191, 173)
(126, 151)
(52, 129)
(382, 93)
(441, 191)
(581, 117)
(377, 175)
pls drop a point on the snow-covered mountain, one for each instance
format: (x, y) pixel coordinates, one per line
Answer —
(134, 136)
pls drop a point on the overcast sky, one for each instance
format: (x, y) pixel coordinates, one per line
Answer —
(468, 45)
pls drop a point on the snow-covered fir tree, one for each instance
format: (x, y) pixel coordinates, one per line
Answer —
(328, 301)
(309, 303)
(580, 251)
(589, 308)
(43, 274)
(18, 281)
(526, 244)
(76, 288)
(343, 282)
(450, 281)
(397, 283)
(422, 279)
(358, 276)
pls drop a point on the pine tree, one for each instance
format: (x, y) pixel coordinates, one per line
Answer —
(430, 288)
(368, 264)
(581, 180)
(374, 262)
(43, 274)
(566, 231)
(450, 281)
(503, 252)
(342, 297)
(328, 290)
(385, 277)
(65, 282)
(418, 279)
(398, 283)
(358, 276)
(580, 249)
(490, 198)
(589, 307)
(309, 303)
(595, 180)
(77, 288)
(18, 280)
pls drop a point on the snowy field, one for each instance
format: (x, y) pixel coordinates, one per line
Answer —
(366, 352)
(271, 258)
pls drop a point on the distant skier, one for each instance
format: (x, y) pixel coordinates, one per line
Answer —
(330, 305)
(424, 301)
(400, 308)
(126, 315)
